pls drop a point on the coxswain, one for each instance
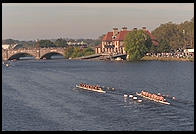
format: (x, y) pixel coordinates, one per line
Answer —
(144, 93)
(154, 96)
(147, 94)
(151, 96)
(158, 98)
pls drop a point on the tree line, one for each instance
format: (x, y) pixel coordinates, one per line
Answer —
(176, 35)
(73, 52)
(60, 42)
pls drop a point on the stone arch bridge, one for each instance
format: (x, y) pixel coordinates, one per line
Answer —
(37, 53)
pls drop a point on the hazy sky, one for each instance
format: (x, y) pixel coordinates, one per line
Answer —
(30, 21)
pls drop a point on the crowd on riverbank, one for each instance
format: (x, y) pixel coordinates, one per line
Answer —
(173, 55)
(179, 55)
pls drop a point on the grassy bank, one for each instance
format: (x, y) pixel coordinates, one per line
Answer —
(146, 58)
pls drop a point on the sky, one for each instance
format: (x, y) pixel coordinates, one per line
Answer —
(31, 21)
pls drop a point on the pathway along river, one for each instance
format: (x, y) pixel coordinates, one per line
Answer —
(41, 95)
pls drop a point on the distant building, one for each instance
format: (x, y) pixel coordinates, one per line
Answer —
(113, 42)
(8, 46)
(75, 43)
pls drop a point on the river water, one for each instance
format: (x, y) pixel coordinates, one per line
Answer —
(41, 95)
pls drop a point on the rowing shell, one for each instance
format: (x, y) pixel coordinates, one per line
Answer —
(163, 102)
(100, 91)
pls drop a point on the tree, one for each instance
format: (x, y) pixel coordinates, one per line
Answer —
(177, 35)
(77, 52)
(163, 46)
(153, 49)
(137, 44)
(68, 52)
(72, 52)
(60, 43)
(46, 43)
(88, 51)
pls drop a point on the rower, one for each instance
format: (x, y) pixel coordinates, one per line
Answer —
(142, 92)
(153, 96)
(146, 94)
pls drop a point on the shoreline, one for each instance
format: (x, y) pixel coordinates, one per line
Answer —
(149, 58)
(145, 58)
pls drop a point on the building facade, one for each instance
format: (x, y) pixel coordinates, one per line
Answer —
(113, 42)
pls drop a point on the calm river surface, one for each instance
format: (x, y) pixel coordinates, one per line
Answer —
(41, 95)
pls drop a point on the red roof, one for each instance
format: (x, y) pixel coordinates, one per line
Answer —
(151, 36)
(121, 36)
(108, 36)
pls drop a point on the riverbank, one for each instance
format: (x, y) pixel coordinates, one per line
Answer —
(147, 58)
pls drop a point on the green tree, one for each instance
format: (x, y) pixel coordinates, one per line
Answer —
(46, 43)
(88, 51)
(170, 33)
(163, 46)
(137, 43)
(68, 52)
(153, 49)
(77, 52)
(73, 52)
(60, 43)
(177, 35)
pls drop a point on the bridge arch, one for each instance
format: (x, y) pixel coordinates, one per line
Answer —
(48, 55)
(20, 54)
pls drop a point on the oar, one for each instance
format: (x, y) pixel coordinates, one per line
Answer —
(167, 96)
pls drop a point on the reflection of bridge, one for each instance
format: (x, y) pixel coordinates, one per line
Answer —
(37, 53)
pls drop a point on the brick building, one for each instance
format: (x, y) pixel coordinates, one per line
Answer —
(113, 42)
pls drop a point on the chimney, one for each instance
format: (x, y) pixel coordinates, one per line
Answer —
(124, 28)
(144, 28)
(134, 28)
(115, 31)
